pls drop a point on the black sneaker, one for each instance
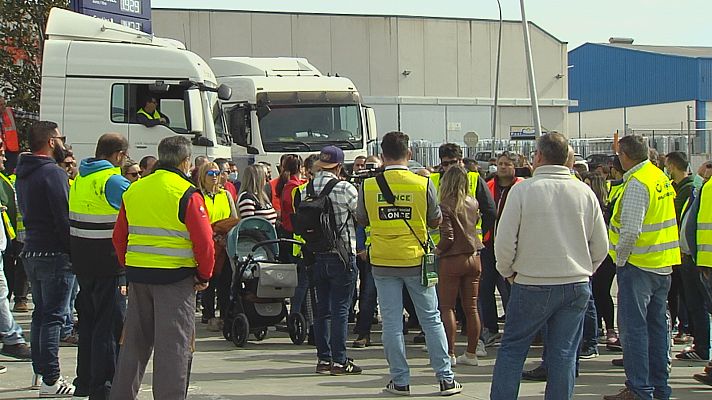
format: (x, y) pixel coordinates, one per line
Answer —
(537, 374)
(419, 338)
(349, 368)
(362, 341)
(20, 351)
(323, 367)
(588, 354)
(617, 362)
(397, 389)
(614, 346)
(448, 388)
(703, 378)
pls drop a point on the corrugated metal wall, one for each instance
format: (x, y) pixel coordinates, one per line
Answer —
(605, 77)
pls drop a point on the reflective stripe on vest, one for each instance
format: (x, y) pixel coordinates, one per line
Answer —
(156, 114)
(90, 214)
(157, 238)
(392, 243)
(658, 243)
(218, 207)
(473, 178)
(704, 227)
(296, 249)
(9, 129)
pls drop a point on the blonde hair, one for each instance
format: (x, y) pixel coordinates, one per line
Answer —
(253, 180)
(455, 187)
(203, 183)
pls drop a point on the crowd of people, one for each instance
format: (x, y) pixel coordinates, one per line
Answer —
(550, 239)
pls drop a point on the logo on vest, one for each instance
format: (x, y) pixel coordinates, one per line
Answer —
(401, 197)
(394, 213)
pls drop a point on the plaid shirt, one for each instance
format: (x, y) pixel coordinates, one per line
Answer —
(634, 205)
(344, 199)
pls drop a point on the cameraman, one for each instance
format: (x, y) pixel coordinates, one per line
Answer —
(396, 256)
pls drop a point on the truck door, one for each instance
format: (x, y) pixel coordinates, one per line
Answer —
(93, 107)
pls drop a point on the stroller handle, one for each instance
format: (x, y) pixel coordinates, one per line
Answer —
(273, 241)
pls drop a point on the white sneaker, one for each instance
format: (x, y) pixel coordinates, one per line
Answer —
(481, 351)
(61, 388)
(453, 361)
(467, 360)
(36, 382)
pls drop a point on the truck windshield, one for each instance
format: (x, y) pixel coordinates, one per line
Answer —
(221, 133)
(311, 127)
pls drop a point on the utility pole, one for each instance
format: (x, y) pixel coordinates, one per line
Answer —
(530, 67)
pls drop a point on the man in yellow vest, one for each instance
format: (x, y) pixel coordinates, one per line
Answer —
(149, 115)
(94, 202)
(395, 257)
(163, 237)
(644, 239)
(697, 227)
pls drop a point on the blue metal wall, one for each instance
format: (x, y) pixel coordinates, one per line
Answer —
(603, 77)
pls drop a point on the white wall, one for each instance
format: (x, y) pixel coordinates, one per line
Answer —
(641, 119)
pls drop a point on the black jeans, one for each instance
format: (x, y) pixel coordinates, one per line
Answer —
(695, 303)
(17, 283)
(676, 303)
(101, 308)
(489, 280)
(366, 298)
(602, 281)
(220, 286)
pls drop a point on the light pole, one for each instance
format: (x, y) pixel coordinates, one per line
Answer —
(530, 68)
(496, 81)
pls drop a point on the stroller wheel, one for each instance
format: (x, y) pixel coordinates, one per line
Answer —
(297, 325)
(227, 330)
(260, 334)
(240, 330)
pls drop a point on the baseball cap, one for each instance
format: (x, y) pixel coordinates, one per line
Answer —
(330, 157)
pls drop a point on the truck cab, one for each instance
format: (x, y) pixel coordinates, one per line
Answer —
(285, 105)
(96, 75)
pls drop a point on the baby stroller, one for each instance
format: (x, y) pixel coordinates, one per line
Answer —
(260, 284)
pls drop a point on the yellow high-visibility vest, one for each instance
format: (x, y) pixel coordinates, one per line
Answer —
(156, 114)
(473, 178)
(11, 233)
(90, 214)
(297, 191)
(704, 227)
(392, 243)
(658, 244)
(218, 206)
(157, 237)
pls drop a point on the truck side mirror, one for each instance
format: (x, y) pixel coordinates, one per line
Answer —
(372, 133)
(224, 92)
(195, 108)
(238, 123)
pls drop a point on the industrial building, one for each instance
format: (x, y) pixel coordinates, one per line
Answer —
(430, 77)
(648, 90)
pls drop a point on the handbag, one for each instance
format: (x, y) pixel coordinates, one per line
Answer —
(428, 263)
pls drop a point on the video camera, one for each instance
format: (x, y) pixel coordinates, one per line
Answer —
(369, 172)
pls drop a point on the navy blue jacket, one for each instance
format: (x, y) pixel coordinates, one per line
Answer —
(42, 195)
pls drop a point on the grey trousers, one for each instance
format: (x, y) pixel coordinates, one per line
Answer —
(160, 318)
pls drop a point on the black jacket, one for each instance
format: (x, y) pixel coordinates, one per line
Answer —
(42, 195)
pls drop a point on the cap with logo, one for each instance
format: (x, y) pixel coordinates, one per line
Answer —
(330, 157)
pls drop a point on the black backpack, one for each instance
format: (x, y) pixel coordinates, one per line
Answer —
(314, 219)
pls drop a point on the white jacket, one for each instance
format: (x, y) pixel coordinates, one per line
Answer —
(551, 231)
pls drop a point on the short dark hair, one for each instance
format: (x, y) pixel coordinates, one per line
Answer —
(145, 99)
(678, 159)
(395, 145)
(634, 146)
(40, 133)
(143, 164)
(173, 150)
(450, 150)
(220, 162)
(554, 148)
(468, 161)
(110, 143)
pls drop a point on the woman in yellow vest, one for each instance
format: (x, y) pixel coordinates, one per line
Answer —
(219, 205)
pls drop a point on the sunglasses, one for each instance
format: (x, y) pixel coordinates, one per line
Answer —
(134, 174)
(213, 172)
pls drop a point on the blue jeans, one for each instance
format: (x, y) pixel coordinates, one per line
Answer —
(300, 292)
(52, 280)
(366, 298)
(425, 300)
(10, 331)
(590, 324)
(68, 327)
(489, 279)
(559, 308)
(643, 322)
(334, 284)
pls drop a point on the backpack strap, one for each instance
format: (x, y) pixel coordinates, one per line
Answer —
(328, 188)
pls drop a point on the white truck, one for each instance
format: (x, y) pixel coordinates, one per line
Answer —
(285, 105)
(96, 75)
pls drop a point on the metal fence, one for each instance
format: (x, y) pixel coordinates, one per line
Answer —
(427, 153)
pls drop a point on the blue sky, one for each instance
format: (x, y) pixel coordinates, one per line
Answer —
(656, 22)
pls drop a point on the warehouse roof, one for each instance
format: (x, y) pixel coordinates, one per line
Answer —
(682, 51)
